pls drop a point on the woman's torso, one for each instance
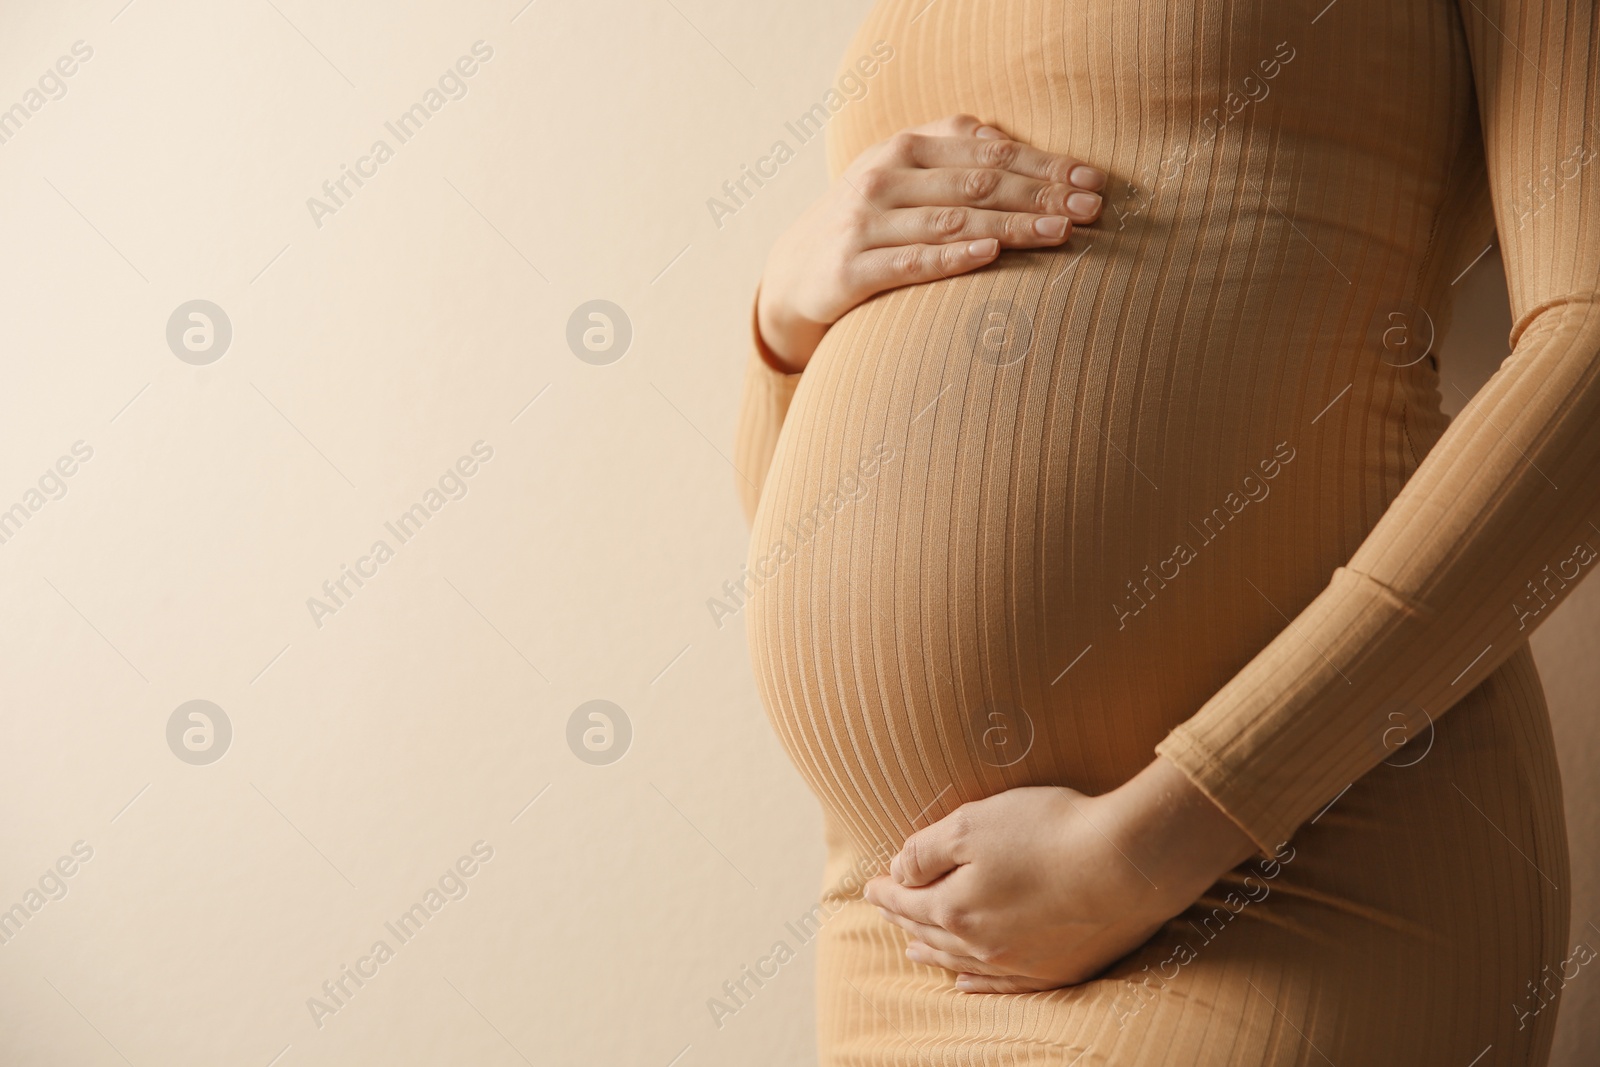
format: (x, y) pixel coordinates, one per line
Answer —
(1033, 517)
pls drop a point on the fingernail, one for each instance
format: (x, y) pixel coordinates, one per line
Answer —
(988, 133)
(1050, 226)
(983, 249)
(964, 984)
(1087, 177)
(1083, 203)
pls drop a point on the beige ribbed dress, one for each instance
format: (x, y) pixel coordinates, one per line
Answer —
(1183, 487)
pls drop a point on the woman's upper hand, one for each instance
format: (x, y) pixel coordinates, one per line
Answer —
(930, 202)
(1040, 887)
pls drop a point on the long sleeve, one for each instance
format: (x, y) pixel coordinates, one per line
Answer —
(1436, 596)
(765, 403)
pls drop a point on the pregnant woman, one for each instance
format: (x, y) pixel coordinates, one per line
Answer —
(1155, 648)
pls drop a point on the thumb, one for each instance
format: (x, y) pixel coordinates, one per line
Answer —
(926, 856)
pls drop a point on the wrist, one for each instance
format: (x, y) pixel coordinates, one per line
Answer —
(1178, 834)
(787, 340)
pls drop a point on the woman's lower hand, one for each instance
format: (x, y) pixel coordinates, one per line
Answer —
(930, 202)
(1042, 886)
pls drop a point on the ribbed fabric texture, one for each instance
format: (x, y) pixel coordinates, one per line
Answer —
(1183, 486)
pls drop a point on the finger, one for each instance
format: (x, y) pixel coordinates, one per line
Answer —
(932, 936)
(930, 853)
(918, 905)
(941, 225)
(927, 955)
(955, 126)
(878, 269)
(984, 187)
(984, 983)
(1000, 153)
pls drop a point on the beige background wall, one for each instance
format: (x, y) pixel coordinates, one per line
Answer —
(429, 713)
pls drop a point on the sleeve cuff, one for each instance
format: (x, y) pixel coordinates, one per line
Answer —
(1303, 720)
(1203, 771)
(767, 356)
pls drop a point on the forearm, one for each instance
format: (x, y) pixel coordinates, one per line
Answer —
(1503, 511)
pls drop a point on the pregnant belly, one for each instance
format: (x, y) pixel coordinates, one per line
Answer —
(993, 545)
